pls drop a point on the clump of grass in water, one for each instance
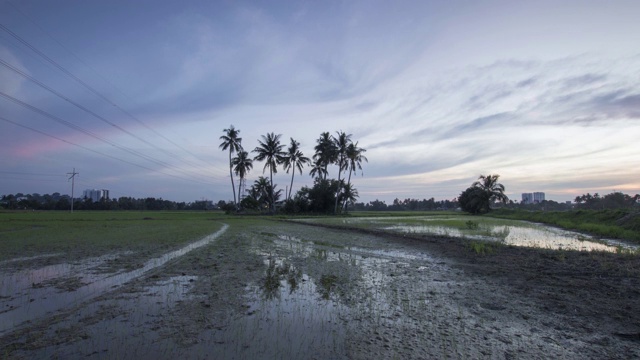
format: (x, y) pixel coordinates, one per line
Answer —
(275, 274)
(482, 247)
(472, 225)
(327, 283)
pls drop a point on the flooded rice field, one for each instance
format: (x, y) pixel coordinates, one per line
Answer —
(509, 232)
(284, 290)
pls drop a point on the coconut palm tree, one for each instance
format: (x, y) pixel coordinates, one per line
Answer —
(318, 170)
(492, 190)
(242, 164)
(294, 159)
(349, 194)
(325, 153)
(341, 143)
(270, 151)
(232, 142)
(355, 158)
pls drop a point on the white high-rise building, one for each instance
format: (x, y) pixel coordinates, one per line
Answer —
(527, 198)
(538, 197)
(96, 195)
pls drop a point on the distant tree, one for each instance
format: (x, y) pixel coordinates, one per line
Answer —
(355, 157)
(325, 153)
(294, 159)
(270, 151)
(473, 201)
(341, 144)
(478, 198)
(232, 142)
(320, 198)
(349, 195)
(242, 164)
(318, 170)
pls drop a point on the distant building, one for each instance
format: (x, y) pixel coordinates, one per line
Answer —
(538, 197)
(527, 198)
(532, 198)
(96, 195)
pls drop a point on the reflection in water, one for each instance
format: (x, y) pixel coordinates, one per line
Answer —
(517, 233)
(523, 234)
(327, 284)
(24, 300)
(278, 272)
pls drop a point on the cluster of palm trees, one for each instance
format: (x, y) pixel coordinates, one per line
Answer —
(337, 150)
(478, 198)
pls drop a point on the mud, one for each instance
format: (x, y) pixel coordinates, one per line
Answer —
(285, 290)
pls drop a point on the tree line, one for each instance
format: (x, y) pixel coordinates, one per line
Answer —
(327, 195)
(487, 192)
(56, 201)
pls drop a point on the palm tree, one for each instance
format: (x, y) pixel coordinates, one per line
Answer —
(349, 194)
(355, 158)
(294, 159)
(341, 143)
(491, 189)
(231, 141)
(242, 164)
(270, 150)
(325, 152)
(318, 170)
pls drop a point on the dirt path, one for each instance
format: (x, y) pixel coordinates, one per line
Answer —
(283, 290)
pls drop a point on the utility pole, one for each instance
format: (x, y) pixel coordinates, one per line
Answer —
(73, 180)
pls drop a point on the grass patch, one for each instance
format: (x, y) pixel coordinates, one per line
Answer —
(94, 233)
(482, 247)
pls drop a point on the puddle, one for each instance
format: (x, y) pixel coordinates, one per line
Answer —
(291, 315)
(22, 300)
(531, 236)
(27, 258)
(517, 233)
(109, 328)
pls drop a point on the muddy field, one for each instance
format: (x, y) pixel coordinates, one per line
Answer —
(284, 290)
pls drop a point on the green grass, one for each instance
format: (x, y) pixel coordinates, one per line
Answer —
(616, 224)
(24, 234)
(482, 247)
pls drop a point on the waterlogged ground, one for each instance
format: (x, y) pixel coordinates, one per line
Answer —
(268, 289)
(509, 232)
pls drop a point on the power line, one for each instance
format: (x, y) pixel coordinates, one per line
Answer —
(88, 87)
(44, 86)
(98, 152)
(80, 129)
(27, 173)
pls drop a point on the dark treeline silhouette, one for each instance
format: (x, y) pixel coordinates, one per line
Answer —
(407, 205)
(56, 201)
(327, 195)
(614, 200)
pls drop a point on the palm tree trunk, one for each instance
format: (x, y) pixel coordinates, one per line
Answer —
(335, 209)
(271, 204)
(344, 203)
(239, 187)
(233, 186)
(291, 187)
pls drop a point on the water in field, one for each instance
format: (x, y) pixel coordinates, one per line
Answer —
(31, 294)
(511, 232)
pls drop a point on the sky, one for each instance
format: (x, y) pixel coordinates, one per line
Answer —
(135, 95)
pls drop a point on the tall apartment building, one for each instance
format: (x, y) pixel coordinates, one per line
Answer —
(527, 198)
(96, 195)
(532, 198)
